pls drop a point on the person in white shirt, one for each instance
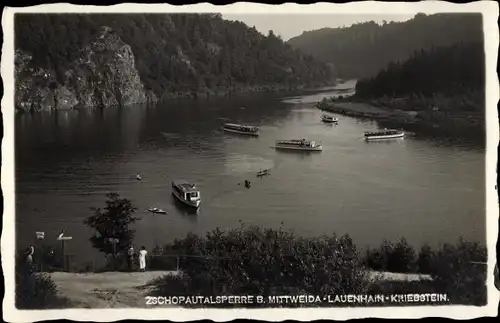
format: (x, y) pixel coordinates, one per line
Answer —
(142, 258)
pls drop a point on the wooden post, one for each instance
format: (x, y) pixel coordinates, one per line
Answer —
(177, 263)
(114, 242)
(63, 238)
(39, 236)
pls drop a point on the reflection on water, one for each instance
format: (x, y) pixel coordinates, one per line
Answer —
(424, 189)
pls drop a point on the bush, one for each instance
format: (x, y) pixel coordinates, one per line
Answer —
(402, 258)
(424, 261)
(252, 261)
(459, 271)
(398, 257)
(35, 290)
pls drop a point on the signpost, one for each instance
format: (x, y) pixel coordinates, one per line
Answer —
(63, 238)
(40, 235)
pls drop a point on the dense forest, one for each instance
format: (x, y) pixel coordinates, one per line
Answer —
(174, 52)
(364, 49)
(448, 70)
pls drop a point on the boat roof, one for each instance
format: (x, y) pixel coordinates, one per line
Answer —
(295, 140)
(238, 125)
(185, 185)
(384, 131)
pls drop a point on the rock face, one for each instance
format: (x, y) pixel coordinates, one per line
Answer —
(104, 75)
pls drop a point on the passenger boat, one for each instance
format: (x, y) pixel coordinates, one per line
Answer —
(384, 134)
(156, 210)
(296, 144)
(186, 193)
(241, 129)
(329, 119)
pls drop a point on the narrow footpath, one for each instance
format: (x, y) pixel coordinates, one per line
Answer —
(107, 290)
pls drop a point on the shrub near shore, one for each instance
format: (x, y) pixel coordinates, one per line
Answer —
(266, 262)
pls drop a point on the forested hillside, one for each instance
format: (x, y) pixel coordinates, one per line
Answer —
(174, 53)
(448, 70)
(364, 49)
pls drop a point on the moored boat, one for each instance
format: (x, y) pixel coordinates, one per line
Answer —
(186, 193)
(156, 210)
(241, 129)
(299, 144)
(329, 119)
(384, 134)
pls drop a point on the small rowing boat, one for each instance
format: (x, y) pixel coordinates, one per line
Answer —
(241, 129)
(264, 172)
(329, 119)
(384, 134)
(186, 193)
(299, 144)
(156, 210)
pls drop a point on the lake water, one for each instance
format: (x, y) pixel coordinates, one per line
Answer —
(427, 190)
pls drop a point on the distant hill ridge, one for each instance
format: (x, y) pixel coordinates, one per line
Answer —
(364, 49)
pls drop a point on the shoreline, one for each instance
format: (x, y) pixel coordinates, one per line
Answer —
(430, 122)
(206, 94)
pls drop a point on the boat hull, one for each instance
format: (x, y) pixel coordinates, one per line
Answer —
(382, 137)
(187, 203)
(245, 133)
(317, 148)
(157, 212)
(329, 120)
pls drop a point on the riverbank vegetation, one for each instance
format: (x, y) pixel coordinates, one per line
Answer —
(441, 90)
(176, 54)
(35, 290)
(255, 261)
(446, 70)
(445, 86)
(362, 50)
(251, 260)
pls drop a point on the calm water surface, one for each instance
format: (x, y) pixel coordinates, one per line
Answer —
(428, 191)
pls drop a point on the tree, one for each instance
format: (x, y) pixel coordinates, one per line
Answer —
(112, 223)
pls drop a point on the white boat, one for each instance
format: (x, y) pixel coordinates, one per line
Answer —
(299, 144)
(186, 193)
(384, 134)
(241, 129)
(329, 119)
(156, 210)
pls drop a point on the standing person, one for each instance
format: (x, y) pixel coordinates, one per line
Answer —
(130, 257)
(142, 258)
(29, 258)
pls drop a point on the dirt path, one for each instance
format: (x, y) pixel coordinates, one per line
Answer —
(107, 290)
(388, 276)
(122, 290)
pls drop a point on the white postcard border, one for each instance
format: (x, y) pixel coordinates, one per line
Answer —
(490, 12)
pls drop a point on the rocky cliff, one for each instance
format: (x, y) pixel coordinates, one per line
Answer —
(103, 75)
(176, 55)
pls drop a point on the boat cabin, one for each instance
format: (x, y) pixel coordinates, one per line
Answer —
(186, 191)
(239, 127)
(386, 132)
